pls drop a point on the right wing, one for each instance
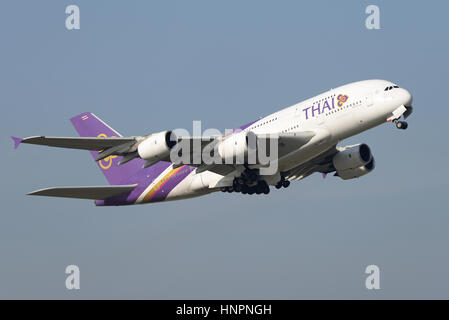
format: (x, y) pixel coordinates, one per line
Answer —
(321, 163)
(289, 142)
(93, 193)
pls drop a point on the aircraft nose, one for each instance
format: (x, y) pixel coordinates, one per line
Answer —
(406, 97)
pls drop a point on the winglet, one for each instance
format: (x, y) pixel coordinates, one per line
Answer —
(17, 141)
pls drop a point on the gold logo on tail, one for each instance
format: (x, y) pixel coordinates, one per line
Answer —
(106, 163)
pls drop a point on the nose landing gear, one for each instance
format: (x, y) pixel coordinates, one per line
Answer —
(401, 124)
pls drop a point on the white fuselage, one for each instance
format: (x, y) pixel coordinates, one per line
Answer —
(333, 115)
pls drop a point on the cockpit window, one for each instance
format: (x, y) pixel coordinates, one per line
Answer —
(390, 87)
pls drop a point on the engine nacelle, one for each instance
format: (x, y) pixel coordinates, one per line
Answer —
(237, 146)
(157, 146)
(357, 172)
(353, 161)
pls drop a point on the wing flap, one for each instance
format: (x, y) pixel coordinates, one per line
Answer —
(92, 193)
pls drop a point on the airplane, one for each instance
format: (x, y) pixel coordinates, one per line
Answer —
(139, 168)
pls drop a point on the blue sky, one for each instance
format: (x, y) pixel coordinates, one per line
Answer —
(148, 66)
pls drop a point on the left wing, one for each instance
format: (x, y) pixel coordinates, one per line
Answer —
(128, 147)
(85, 143)
(93, 193)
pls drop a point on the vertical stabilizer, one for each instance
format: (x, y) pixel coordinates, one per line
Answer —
(89, 125)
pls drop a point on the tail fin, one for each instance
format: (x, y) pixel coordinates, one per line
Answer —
(89, 125)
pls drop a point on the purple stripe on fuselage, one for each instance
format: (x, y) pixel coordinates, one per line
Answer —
(243, 127)
(143, 178)
(163, 192)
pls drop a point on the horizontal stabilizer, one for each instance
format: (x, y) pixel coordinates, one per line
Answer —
(93, 193)
(85, 143)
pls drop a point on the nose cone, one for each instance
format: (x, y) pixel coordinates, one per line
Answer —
(405, 97)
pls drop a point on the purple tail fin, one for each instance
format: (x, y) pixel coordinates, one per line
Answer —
(89, 125)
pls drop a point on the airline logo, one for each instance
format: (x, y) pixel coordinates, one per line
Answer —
(325, 105)
(106, 163)
(342, 98)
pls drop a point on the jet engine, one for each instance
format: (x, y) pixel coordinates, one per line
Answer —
(238, 146)
(353, 161)
(157, 146)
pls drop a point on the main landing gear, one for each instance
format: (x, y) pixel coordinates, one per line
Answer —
(248, 183)
(258, 187)
(401, 124)
(283, 183)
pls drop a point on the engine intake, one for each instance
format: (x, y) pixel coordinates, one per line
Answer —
(157, 146)
(353, 161)
(352, 157)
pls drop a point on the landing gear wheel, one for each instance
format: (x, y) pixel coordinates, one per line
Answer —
(285, 183)
(252, 176)
(266, 190)
(262, 186)
(278, 186)
(401, 125)
(236, 186)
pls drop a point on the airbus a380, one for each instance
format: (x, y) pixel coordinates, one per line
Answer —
(139, 168)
